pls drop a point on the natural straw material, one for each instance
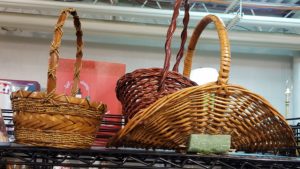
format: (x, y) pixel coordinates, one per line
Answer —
(142, 87)
(213, 108)
(55, 120)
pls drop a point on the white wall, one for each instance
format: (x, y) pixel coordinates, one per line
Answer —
(296, 85)
(27, 58)
(264, 75)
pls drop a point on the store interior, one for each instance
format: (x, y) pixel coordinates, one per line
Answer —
(264, 52)
(264, 36)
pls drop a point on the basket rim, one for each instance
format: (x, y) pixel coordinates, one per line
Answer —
(143, 73)
(60, 98)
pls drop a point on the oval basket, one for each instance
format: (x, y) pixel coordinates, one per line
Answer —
(142, 87)
(213, 108)
(55, 120)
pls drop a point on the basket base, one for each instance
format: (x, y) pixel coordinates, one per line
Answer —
(50, 138)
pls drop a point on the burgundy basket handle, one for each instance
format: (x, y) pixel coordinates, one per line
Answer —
(224, 47)
(183, 35)
(171, 30)
(54, 53)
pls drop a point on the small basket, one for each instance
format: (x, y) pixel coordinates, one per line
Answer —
(55, 120)
(142, 87)
(213, 108)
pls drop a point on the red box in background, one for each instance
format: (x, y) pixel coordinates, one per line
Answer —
(98, 82)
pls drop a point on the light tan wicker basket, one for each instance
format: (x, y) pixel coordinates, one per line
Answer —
(55, 120)
(213, 108)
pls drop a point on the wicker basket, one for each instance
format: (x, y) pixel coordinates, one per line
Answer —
(213, 108)
(55, 120)
(142, 87)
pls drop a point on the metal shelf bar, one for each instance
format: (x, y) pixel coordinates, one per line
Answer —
(127, 158)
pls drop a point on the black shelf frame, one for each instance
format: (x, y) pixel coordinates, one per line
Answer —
(296, 129)
(46, 158)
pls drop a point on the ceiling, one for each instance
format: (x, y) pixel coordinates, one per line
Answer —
(254, 25)
(279, 16)
(268, 10)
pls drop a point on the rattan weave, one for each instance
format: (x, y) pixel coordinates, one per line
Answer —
(213, 108)
(56, 120)
(142, 87)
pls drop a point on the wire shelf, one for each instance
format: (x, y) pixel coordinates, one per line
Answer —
(133, 158)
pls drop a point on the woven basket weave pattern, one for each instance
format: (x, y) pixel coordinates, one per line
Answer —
(40, 106)
(55, 120)
(140, 91)
(252, 126)
(213, 108)
(54, 138)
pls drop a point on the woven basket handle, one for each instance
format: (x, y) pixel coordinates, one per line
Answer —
(54, 53)
(183, 35)
(224, 47)
(170, 32)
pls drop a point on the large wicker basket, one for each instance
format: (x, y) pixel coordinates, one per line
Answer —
(55, 120)
(142, 87)
(213, 108)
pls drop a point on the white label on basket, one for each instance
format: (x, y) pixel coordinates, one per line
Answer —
(204, 75)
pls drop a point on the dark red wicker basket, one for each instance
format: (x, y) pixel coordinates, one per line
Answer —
(142, 87)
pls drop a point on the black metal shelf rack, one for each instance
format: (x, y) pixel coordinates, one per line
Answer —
(46, 158)
(125, 158)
